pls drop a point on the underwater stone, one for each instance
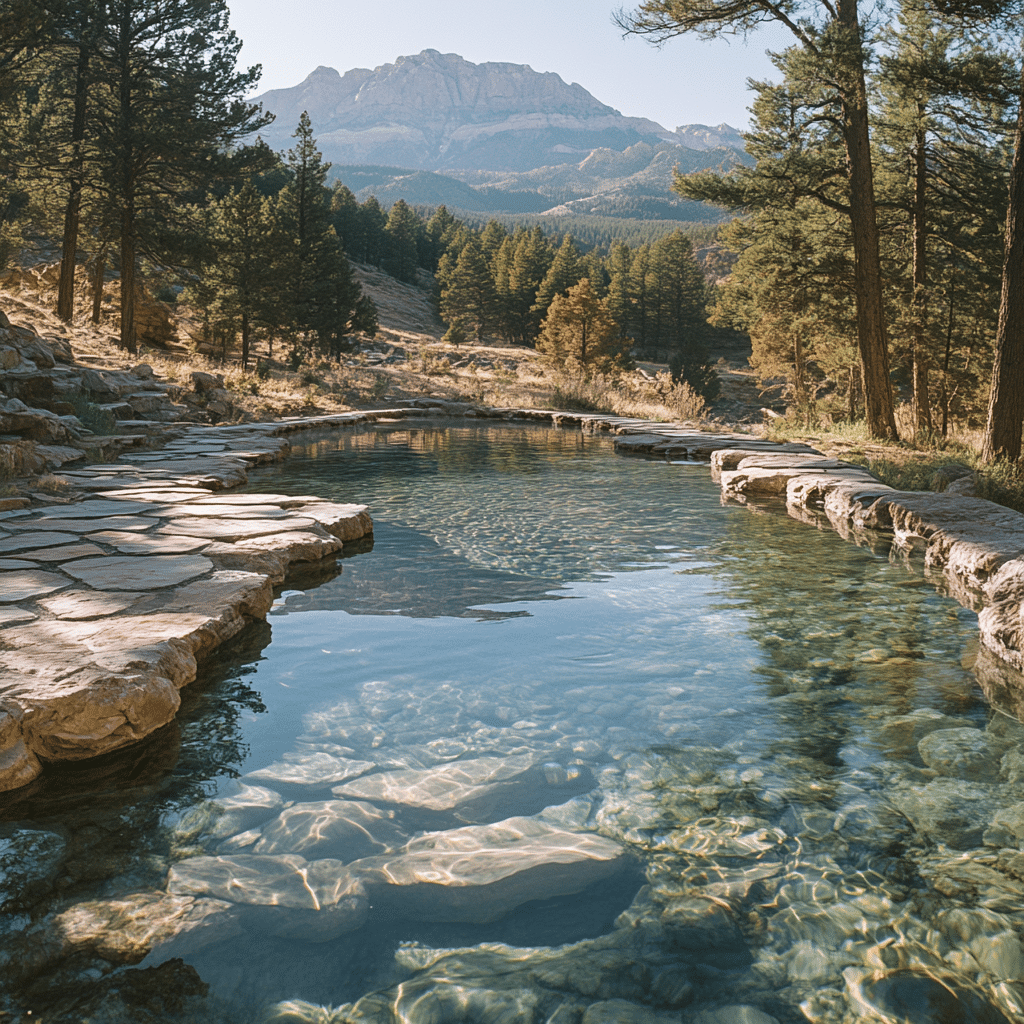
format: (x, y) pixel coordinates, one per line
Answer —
(481, 872)
(962, 754)
(949, 811)
(739, 1014)
(340, 829)
(441, 788)
(29, 861)
(621, 1011)
(250, 806)
(316, 770)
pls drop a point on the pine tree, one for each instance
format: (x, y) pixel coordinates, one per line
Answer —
(238, 283)
(374, 221)
(829, 58)
(579, 327)
(171, 105)
(530, 263)
(402, 233)
(346, 216)
(619, 299)
(469, 299)
(564, 272)
(303, 209)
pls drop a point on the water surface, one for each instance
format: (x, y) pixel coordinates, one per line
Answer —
(819, 816)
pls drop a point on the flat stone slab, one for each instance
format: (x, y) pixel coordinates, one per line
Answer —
(344, 830)
(63, 553)
(93, 509)
(16, 563)
(30, 540)
(149, 544)
(437, 789)
(285, 896)
(278, 500)
(122, 572)
(234, 529)
(149, 494)
(86, 525)
(222, 510)
(480, 873)
(10, 616)
(24, 584)
(315, 770)
(88, 604)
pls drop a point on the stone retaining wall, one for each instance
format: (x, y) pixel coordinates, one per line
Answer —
(108, 604)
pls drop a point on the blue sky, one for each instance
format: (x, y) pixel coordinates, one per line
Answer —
(685, 82)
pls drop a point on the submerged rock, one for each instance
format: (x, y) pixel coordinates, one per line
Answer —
(949, 811)
(340, 829)
(285, 896)
(316, 770)
(481, 872)
(441, 788)
(962, 754)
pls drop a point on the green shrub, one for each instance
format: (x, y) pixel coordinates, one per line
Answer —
(94, 417)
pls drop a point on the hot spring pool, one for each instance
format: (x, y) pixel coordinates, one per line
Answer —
(570, 741)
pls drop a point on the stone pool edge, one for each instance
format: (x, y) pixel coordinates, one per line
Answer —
(78, 689)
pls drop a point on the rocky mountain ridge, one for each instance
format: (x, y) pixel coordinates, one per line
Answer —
(439, 112)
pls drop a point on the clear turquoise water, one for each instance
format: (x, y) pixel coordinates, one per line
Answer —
(740, 701)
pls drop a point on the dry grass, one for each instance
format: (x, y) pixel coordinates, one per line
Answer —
(923, 463)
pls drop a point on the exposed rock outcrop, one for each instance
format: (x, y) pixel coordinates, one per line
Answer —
(436, 110)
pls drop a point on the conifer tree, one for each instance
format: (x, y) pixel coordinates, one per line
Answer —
(346, 216)
(468, 299)
(238, 284)
(565, 270)
(172, 103)
(401, 242)
(374, 221)
(579, 327)
(530, 263)
(829, 56)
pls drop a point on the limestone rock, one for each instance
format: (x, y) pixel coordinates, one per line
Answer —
(441, 788)
(89, 604)
(285, 896)
(239, 811)
(315, 770)
(234, 529)
(481, 872)
(21, 585)
(148, 544)
(962, 754)
(343, 830)
(948, 811)
(18, 765)
(117, 572)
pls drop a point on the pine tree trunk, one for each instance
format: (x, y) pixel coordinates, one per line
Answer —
(245, 340)
(922, 406)
(128, 341)
(97, 285)
(1006, 399)
(871, 333)
(72, 210)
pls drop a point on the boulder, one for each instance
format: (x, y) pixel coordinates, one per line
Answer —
(962, 754)
(285, 896)
(481, 872)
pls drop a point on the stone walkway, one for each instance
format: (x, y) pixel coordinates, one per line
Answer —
(107, 604)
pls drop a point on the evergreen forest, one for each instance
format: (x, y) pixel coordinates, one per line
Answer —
(874, 256)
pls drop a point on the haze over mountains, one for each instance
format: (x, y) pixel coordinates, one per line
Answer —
(511, 135)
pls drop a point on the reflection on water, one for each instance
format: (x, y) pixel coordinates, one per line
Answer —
(568, 741)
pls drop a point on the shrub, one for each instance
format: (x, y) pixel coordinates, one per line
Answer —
(94, 417)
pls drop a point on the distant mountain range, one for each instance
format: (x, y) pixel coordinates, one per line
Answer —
(434, 128)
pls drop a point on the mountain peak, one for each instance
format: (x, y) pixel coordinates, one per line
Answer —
(432, 110)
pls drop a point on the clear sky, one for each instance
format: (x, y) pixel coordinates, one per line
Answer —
(685, 82)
